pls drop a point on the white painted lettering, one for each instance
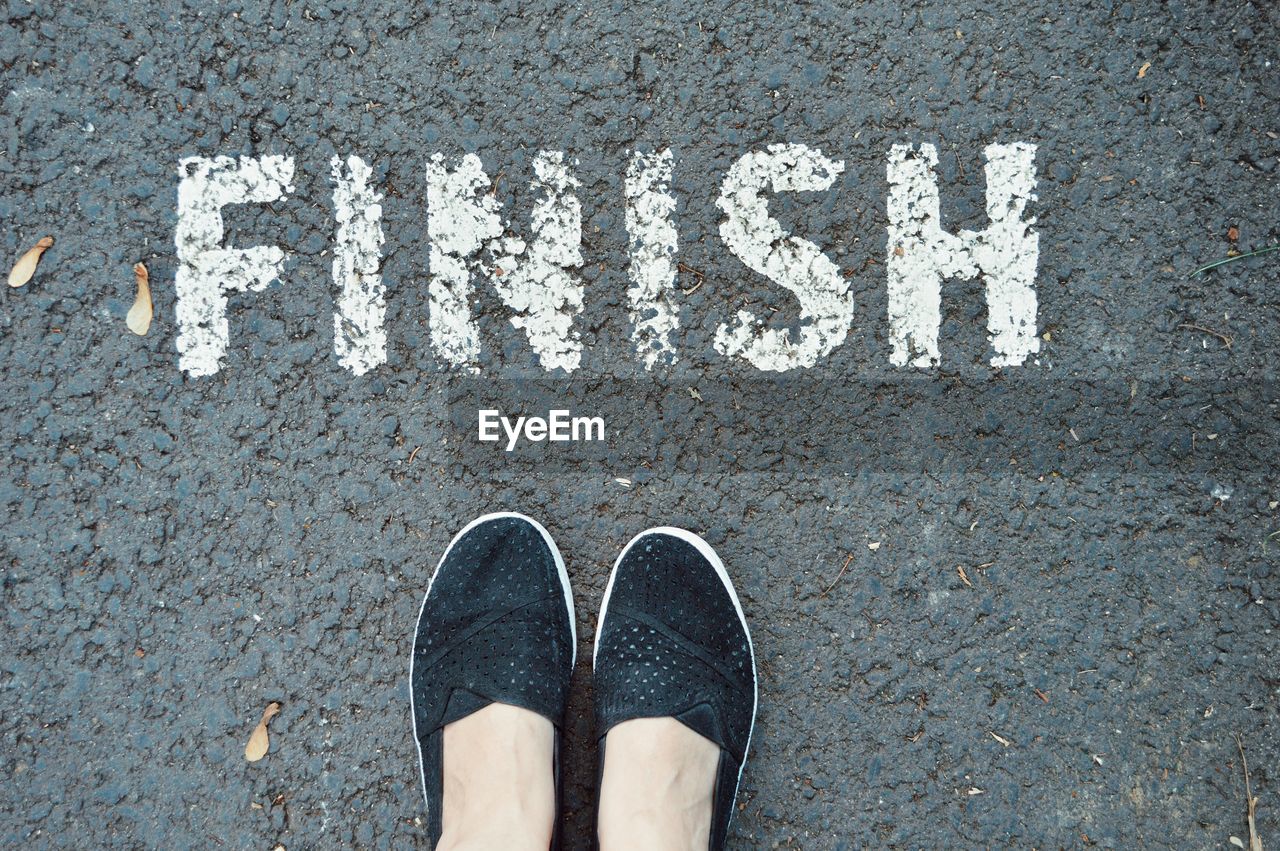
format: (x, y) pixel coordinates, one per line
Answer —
(358, 336)
(650, 207)
(921, 254)
(207, 271)
(536, 279)
(797, 265)
(532, 279)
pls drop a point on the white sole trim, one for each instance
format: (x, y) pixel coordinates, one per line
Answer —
(568, 602)
(705, 550)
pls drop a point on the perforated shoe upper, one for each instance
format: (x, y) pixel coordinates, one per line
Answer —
(671, 643)
(494, 627)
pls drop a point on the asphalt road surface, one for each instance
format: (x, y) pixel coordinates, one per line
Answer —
(1028, 605)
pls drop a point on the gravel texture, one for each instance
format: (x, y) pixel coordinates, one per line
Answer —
(177, 552)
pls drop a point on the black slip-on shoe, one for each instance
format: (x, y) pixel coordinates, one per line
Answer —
(496, 626)
(671, 641)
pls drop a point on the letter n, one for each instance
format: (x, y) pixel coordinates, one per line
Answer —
(466, 230)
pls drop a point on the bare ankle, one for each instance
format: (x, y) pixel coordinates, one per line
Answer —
(659, 777)
(514, 831)
(499, 789)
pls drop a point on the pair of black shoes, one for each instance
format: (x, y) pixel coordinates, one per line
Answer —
(497, 626)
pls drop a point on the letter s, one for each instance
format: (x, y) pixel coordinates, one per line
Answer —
(797, 265)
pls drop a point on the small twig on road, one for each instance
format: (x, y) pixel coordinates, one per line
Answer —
(692, 271)
(1224, 261)
(279, 801)
(838, 576)
(1255, 841)
(1226, 341)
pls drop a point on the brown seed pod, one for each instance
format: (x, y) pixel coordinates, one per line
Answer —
(139, 318)
(26, 265)
(258, 742)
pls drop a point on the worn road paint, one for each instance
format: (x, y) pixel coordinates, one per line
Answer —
(207, 271)
(536, 280)
(461, 218)
(759, 241)
(921, 254)
(464, 220)
(540, 289)
(652, 249)
(359, 339)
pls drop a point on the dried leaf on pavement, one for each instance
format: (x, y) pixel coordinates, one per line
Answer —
(26, 265)
(258, 742)
(139, 318)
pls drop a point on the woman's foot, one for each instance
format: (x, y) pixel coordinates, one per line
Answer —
(499, 788)
(492, 657)
(675, 691)
(657, 787)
